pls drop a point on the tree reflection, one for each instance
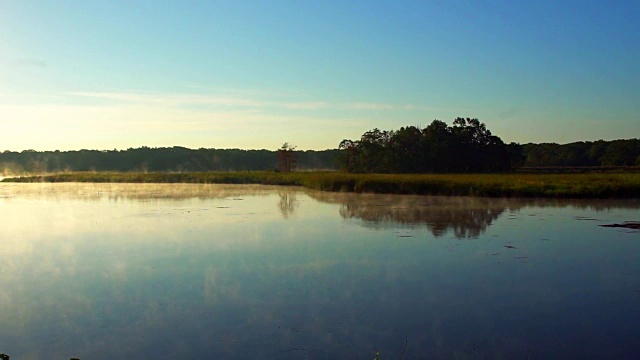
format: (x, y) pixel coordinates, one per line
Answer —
(465, 217)
(288, 203)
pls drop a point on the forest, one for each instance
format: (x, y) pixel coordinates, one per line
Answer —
(467, 146)
(162, 159)
(616, 153)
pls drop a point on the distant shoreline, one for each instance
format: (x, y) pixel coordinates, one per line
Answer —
(591, 185)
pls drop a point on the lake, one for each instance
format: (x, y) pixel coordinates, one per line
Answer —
(181, 271)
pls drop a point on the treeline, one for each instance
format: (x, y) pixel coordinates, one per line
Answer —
(469, 147)
(466, 146)
(173, 159)
(583, 153)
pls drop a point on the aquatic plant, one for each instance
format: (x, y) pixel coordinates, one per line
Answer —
(6, 357)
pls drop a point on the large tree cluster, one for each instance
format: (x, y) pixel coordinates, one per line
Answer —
(466, 146)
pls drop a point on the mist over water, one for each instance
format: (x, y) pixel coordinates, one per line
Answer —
(101, 271)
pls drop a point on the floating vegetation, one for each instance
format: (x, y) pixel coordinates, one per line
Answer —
(7, 357)
(635, 225)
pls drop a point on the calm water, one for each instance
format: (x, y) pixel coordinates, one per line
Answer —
(238, 272)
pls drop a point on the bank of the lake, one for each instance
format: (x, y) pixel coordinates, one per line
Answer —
(594, 185)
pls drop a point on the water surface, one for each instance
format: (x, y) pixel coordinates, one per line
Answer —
(254, 272)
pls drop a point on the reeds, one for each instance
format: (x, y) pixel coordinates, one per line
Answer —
(487, 185)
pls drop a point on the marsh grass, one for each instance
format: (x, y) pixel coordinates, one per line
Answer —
(593, 185)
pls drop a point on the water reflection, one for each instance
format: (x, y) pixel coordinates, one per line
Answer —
(465, 217)
(288, 202)
(116, 192)
(235, 272)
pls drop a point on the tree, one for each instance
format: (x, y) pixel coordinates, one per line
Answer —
(286, 158)
(406, 150)
(621, 153)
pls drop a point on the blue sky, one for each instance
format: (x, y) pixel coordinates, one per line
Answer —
(254, 74)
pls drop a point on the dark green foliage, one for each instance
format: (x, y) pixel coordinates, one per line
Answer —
(594, 154)
(467, 146)
(175, 159)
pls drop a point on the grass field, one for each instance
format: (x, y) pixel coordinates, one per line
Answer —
(492, 185)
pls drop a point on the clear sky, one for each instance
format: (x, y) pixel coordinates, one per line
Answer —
(253, 74)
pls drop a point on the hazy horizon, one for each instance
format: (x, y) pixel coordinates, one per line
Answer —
(247, 149)
(253, 75)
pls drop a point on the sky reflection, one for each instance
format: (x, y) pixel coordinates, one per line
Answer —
(283, 273)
